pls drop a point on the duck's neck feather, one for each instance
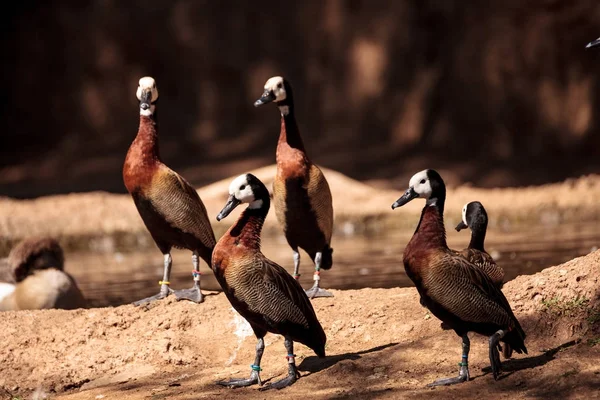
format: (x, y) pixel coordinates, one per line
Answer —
(430, 232)
(290, 134)
(477, 239)
(247, 229)
(147, 138)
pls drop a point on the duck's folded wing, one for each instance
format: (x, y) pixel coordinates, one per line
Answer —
(467, 292)
(180, 205)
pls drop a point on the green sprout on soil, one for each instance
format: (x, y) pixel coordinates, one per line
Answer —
(569, 373)
(560, 306)
(594, 316)
(593, 342)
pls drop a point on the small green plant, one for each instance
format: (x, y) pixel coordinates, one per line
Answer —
(593, 342)
(560, 306)
(594, 316)
(569, 373)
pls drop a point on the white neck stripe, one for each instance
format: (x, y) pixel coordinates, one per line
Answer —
(256, 204)
(285, 110)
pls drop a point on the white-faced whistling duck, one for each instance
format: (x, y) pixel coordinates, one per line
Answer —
(169, 206)
(40, 282)
(264, 293)
(593, 43)
(455, 290)
(301, 193)
(475, 218)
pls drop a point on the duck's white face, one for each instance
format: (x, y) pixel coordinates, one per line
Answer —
(276, 86)
(421, 184)
(464, 214)
(147, 94)
(242, 191)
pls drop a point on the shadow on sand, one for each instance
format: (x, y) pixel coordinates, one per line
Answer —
(514, 365)
(315, 364)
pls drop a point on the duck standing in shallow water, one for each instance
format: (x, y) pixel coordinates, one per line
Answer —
(37, 266)
(169, 206)
(301, 194)
(455, 290)
(261, 291)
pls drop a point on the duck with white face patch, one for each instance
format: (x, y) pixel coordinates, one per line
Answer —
(170, 207)
(475, 218)
(301, 194)
(260, 290)
(454, 289)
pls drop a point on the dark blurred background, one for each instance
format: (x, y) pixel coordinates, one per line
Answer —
(494, 93)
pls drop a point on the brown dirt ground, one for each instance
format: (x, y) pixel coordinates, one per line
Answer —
(381, 344)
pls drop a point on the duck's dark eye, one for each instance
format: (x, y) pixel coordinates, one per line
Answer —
(279, 85)
(422, 181)
(242, 187)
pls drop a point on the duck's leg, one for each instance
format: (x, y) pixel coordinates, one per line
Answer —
(165, 290)
(315, 290)
(296, 264)
(293, 373)
(494, 355)
(194, 294)
(254, 375)
(463, 372)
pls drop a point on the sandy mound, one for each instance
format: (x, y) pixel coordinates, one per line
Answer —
(78, 218)
(381, 343)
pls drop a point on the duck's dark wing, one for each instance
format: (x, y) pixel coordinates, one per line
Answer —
(487, 264)
(319, 195)
(467, 292)
(179, 204)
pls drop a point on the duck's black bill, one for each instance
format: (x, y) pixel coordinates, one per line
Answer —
(461, 225)
(593, 43)
(409, 195)
(232, 203)
(145, 99)
(267, 97)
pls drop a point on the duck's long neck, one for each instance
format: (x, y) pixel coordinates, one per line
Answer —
(477, 237)
(247, 229)
(431, 232)
(146, 140)
(289, 134)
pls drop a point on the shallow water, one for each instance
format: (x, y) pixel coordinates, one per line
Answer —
(359, 261)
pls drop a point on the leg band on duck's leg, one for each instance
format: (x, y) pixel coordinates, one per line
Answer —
(494, 354)
(463, 372)
(260, 349)
(165, 290)
(255, 370)
(293, 373)
(296, 265)
(194, 293)
(164, 284)
(315, 290)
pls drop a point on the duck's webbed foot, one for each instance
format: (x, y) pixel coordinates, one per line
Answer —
(240, 382)
(293, 373)
(254, 375)
(193, 294)
(165, 290)
(463, 372)
(494, 354)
